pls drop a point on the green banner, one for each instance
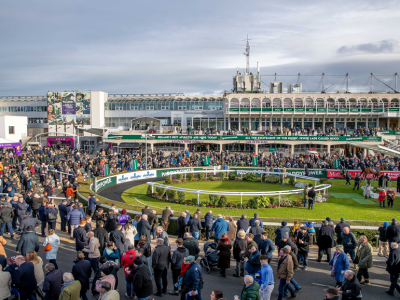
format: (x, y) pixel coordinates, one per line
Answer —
(199, 138)
(206, 160)
(336, 164)
(106, 182)
(254, 161)
(106, 170)
(273, 149)
(134, 165)
(389, 132)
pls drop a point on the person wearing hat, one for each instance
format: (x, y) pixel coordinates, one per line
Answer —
(339, 229)
(224, 255)
(123, 218)
(391, 195)
(383, 240)
(364, 260)
(280, 232)
(393, 232)
(332, 293)
(194, 279)
(303, 242)
(92, 204)
(325, 241)
(285, 241)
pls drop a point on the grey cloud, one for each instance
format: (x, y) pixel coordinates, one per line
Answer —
(385, 46)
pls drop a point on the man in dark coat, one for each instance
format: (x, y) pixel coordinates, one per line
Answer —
(28, 242)
(79, 234)
(176, 263)
(256, 230)
(253, 220)
(111, 221)
(92, 204)
(191, 244)
(195, 226)
(36, 203)
(181, 225)
(6, 216)
(303, 245)
(398, 184)
(325, 241)
(339, 229)
(194, 278)
(101, 234)
(208, 223)
(393, 268)
(25, 281)
(28, 221)
(285, 241)
(160, 262)
(143, 228)
(166, 217)
(52, 283)
(142, 284)
(118, 238)
(351, 288)
(242, 223)
(62, 208)
(393, 232)
(81, 272)
(280, 232)
(146, 210)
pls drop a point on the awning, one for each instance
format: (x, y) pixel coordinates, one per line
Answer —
(95, 131)
(376, 148)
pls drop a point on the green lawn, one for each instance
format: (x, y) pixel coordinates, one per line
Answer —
(335, 208)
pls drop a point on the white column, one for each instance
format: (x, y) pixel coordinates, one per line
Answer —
(329, 149)
(259, 123)
(334, 122)
(388, 123)
(292, 150)
(345, 122)
(356, 124)
(302, 122)
(313, 122)
(229, 122)
(366, 122)
(256, 148)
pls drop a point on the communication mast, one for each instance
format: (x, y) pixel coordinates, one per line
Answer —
(247, 54)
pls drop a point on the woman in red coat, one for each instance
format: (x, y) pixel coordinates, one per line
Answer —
(381, 198)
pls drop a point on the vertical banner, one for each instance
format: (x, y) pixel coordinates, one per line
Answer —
(336, 164)
(106, 170)
(206, 160)
(134, 165)
(254, 161)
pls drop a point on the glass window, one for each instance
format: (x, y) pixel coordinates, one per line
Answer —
(287, 122)
(255, 124)
(11, 130)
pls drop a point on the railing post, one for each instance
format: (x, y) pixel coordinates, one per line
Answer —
(283, 179)
(241, 199)
(295, 179)
(279, 200)
(152, 189)
(185, 176)
(198, 198)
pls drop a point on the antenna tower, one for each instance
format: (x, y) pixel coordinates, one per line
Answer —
(247, 54)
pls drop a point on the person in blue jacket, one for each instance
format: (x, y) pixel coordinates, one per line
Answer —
(208, 223)
(42, 216)
(92, 204)
(266, 246)
(253, 264)
(252, 221)
(194, 279)
(220, 227)
(62, 208)
(339, 264)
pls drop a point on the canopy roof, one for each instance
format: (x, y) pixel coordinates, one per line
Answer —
(7, 143)
(377, 148)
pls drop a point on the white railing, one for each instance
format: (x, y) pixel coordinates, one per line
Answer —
(321, 187)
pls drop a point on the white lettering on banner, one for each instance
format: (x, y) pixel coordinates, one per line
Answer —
(103, 182)
(131, 176)
(336, 174)
(177, 172)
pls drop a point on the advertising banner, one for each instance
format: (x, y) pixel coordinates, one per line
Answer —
(206, 160)
(106, 182)
(68, 109)
(320, 173)
(131, 176)
(168, 172)
(336, 163)
(134, 165)
(353, 173)
(254, 161)
(106, 170)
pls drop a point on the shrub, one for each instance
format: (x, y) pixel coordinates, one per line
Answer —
(310, 185)
(259, 202)
(231, 176)
(223, 201)
(179, 176)
(272, 179)
(263, 177)
(168, 180)
(203, 203)
(211, 178)
(176, 181)
(273, 201)
(149, 192)
(194, 201)
(213, 199)
(222, 175)
(160, 191)
(291, 180)
(286, 202)
(190, 176)
(155, 195)
(250, 177)
(171, 194)
(231, 204)
(324, 181)
(200, 176)
(181, 196)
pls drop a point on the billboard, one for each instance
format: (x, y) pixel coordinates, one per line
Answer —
(68, 108)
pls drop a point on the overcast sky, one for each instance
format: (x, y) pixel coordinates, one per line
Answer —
(130, 46)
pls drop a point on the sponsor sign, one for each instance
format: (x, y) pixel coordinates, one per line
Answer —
(168, 172)
(131, 176)
(254, 161)
(105, 183)
(206, 160)
(353, 173)
(69, 108)
(106, 170)
(320, 173)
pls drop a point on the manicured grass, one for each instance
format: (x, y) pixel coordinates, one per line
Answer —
(334, 208)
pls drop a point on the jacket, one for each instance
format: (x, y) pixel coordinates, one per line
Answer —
(280, 233)
(6, 214)
(48, 210)
(381, 196)
(102, 235)
(142, 284)
(326, 237)
(52, 285)
(393, 233)
(5, 285)
(63, 210)
(54, 241)
(251, 292)
(195, 225)
(92, 203)
(75, 217)
(239, 248)
(364, 256)
(112, 255)
(111, 222)
(166, 215)
(220, 227)
(339, 229)
(26, 280)
(81, 240)
(256, 230)
(383, 233)
(118, 238)
(81, 271)
(192, 245)
(194, 277)
(242, 224)
(71, 292)
(177, 258)
(253, 220)
(342, 264)
(208, 220)
(224, 255)
(28, 242)
(253, 265)
(122, 219)
(21, 209)
(393, 262)
(93, 247)
(36, 203)
(266, 247)
(306, 238)
(349, 241)
(26, 222)
(285, 268)
(351, 289)
(180, 222)
(161, 257)
(111, 295)
(283, 244)
(127, 261)
(143, 228)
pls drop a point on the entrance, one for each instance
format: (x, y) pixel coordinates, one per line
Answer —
(394, 124)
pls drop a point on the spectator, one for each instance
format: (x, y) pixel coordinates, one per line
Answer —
(52, 282)
(224, 255)
(111, 253)
(145, 245)
(332, 293)
(81, 272)
(232, 229)
(143, 227)
(93, 250)
(311, 198)
(123, 218)
(364, 260)
(135, 223)
(129, 232)
(280, 232)
(118, 238)
(142, 284)
(267, 278)
(38, 266)
(62, 208)
(208, 224)
(2, 251)
(253, 220)
(176, 264)
(349, 242)
(71, 288)
(351, 288)
(166, 217)
(5, 284)
(303, 241)
(256, 230)
(126, 262)
(242, 223)
(6, 216)
(253, 264)
(101, 234)
(28, 242)
(393, 268)
(284, 271)
(107, 292)
(383, 240)
(160, 262)
(285, 241)
(161, 234)
(108, 271)
(393, 232)
(194, 279)
(339, 229)
(88, 225)
(81, 240)
(98, 216)
(250, 289)
(339, 263)
(239, 249)
(74, 217)
(26, 281)
(195, 226)
(191, 244)
(111, 222)
(219, 227)
(92, 204)
(325, 241)
(181, 223)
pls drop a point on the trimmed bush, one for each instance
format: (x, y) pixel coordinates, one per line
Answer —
(291, 180)
(272, 179)
(231, 204)
(223, 201)
(222, 175)
(259, 202)
(181, 196)
(263, 177)
(250, 177)
(194, 201)
(273, 201)
(231, 176)
(168, 180)
(149, 192)
(200, 176)
(202, 204)
(213, 199)
(171, 194)
(160, 191)
(211, 178)
(286, 202)
(190, 176)
(324, 181)
(179, 176)
(176, 181)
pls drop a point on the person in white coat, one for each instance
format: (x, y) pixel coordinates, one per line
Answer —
(129, 231)
(54, 241)
(5, 284)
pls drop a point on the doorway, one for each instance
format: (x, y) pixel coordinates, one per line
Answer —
(394, 124)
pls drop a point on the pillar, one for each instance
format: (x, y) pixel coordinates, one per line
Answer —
(313, 121)
(377, 121)
(355, 126)
(334, 122)
(345, 122)
(388, 123)
(270, 123)
(256, 148)
(152, 147)
(229, 122)
(302, 122)
(259, 123)
(220, 147)
(364, 153)
(281, 123)
(366, 122)
(292, 150)
(250, 122)
(329, 149)
(240, 124)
